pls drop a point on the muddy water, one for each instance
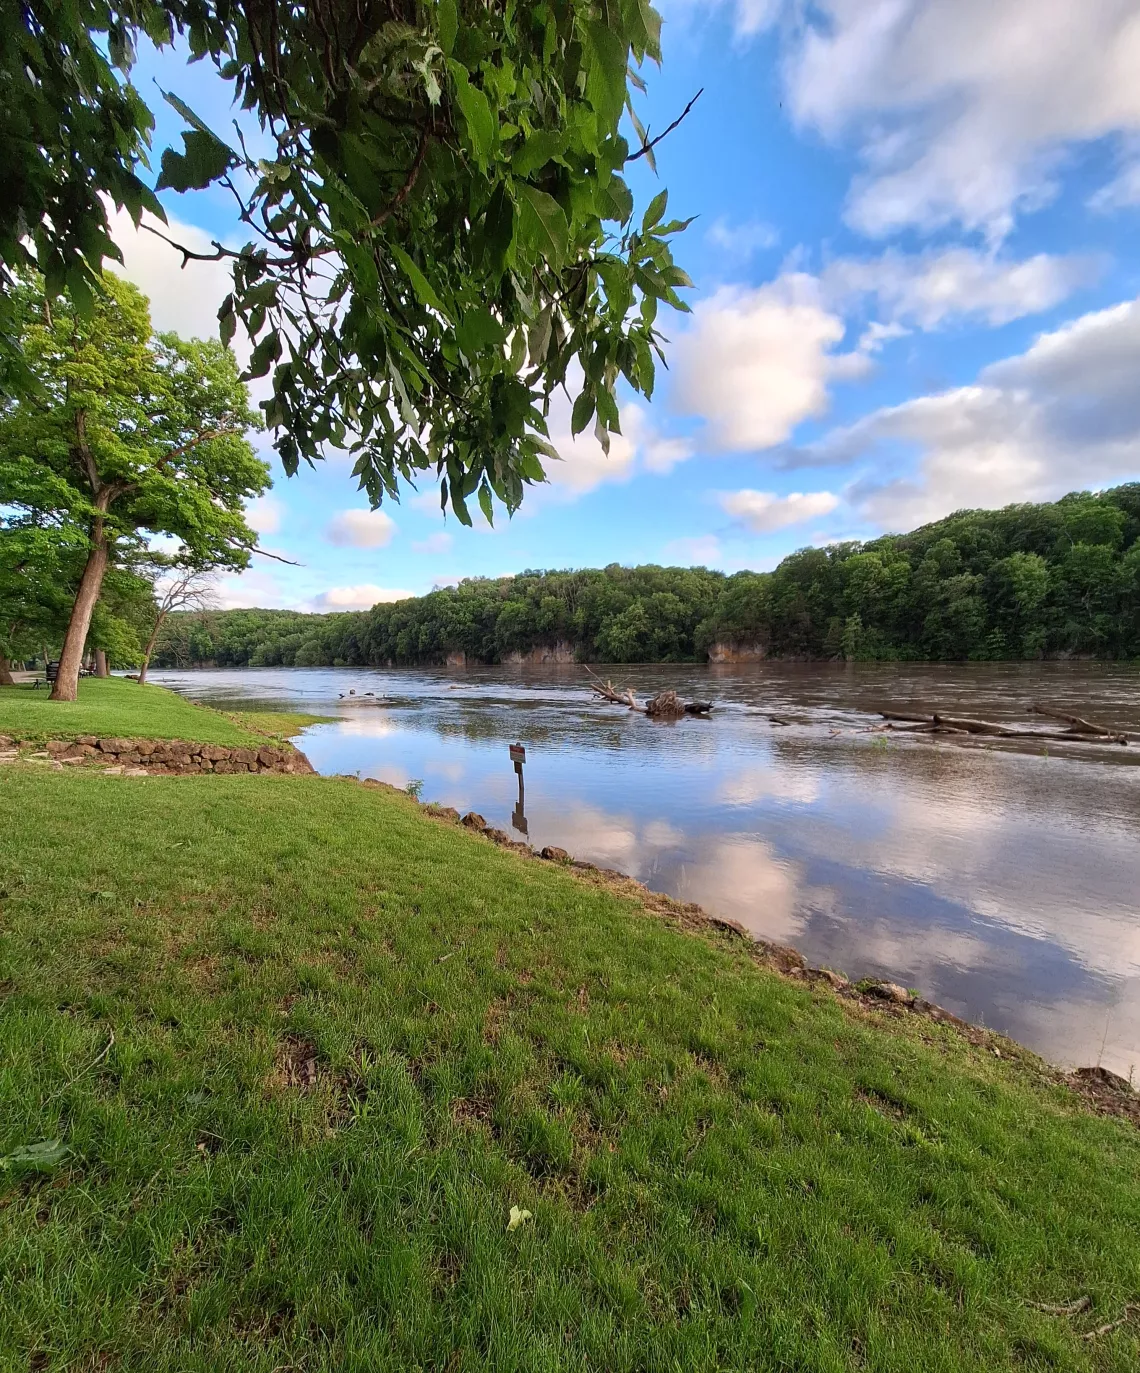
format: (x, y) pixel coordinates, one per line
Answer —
(1002, 882)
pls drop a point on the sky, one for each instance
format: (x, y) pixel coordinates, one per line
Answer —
(917, 289)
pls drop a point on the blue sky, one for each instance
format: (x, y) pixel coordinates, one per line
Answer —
(916, 274)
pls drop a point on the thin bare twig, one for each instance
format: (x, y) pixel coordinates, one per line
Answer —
(1072, 1308)
(651, 143)
(1112, 1325)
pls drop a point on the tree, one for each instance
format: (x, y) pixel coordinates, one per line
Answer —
(127, 435)
(184, 587)
(440, 234)
(36, 589)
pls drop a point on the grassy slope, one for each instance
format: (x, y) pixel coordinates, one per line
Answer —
(725, 1170)
(116, 708)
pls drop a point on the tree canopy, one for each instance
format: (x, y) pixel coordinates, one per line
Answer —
(125, 435)
(1024, 582)
(440, 233)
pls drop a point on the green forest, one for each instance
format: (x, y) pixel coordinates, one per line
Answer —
(1028, 581)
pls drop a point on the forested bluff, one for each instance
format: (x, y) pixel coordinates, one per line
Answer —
(1028, 581)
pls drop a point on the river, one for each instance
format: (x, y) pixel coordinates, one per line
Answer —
(1002, 882)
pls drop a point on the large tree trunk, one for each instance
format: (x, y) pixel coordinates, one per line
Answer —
(101, 669)
(5, 672)
(66, 686)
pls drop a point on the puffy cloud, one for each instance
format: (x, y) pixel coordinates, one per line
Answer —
(264, 514)
(361, 529)
(434, 543)
(756, 362)
(361, 597)
(701, 550)
(584, 465)
(925, 290)
(764, 512)
(738, 242)
(184, 300)
(962, 111)
(1063, 414)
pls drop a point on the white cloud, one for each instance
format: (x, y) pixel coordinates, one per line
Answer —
(1123, 191)
(253, 588)
(764, 512)
(361, 597)
(738, 242)
(184, 300)
(1065, 414)
(925, 290)
(962, 111)
(361, 529)
(701, 550)
(434, 543)
(584, 465)
(264, 514)
(756, 362)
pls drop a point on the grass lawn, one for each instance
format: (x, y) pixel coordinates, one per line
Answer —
(305, 1048)
(114, 707)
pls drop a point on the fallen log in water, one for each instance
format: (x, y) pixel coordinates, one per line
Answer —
(959, 725)
(1076, 724)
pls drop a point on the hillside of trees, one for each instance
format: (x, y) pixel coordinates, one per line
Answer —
(1028, 581)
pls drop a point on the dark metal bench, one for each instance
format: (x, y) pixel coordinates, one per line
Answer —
(51, 672)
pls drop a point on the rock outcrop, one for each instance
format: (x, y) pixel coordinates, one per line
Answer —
(736, 651)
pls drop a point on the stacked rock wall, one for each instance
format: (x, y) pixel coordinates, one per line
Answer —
(177, 755)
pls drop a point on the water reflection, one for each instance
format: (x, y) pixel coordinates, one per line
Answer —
(1004, 885)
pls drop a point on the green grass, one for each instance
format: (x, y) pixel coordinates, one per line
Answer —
(114, 707)
(726, 1170)
(278, 724)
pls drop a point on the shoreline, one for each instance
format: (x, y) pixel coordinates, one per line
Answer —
(1102, 1090)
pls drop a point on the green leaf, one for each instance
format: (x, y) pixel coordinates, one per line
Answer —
(44, 1154)
(583, 412)
(656, 209)
(539, 149)
(540, 338)
(420, 284)
(476, 112)
(485, 503)
(448, 18)
(479, 329)
(206, 158)
(498, 230)
(605, 80)
(544, 225)
(265, 354)
(187, 113)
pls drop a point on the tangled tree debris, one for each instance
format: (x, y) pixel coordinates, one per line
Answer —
(666, 705)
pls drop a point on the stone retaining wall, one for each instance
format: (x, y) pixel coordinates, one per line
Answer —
(166, 756)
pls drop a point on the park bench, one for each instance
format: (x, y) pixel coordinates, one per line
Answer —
(51, 672)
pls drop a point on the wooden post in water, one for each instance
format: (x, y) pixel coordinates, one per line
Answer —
(518, 758)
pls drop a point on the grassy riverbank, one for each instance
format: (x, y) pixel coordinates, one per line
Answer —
(304, 1047)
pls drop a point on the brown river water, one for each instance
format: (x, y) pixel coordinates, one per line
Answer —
(1001, 881)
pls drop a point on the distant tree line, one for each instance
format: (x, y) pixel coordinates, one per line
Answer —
(1028, 581)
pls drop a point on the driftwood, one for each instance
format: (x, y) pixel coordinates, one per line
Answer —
(959, 725)
(1075, 723)
(666, 705)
